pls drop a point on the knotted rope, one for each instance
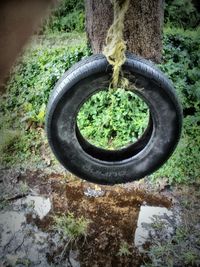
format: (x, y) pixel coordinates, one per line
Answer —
(115, 47)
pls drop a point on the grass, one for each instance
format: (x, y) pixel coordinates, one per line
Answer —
(8, 138)
(23, 187)
(70, 227)
(24, 262)
(55, 40)
(124, 249)
(3, 204)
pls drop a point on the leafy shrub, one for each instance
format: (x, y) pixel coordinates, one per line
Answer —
(181, 13)
(184, 165)
(181, 59)
(113, 119)
(33, 79)
(68, 6)
(68, 16)
(23, 107)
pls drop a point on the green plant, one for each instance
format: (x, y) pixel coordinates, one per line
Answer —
(181, 234)
(34, 77)
(181, 63)
(169, 253)
(180, 246)
(181, 13)
(190, 257)
(157, 225)
(23, 108)
(70, 227)
(8, 138)
(68, 16)
(173, 251)
(181, 57)
(184, 166)
(23, 188)
(124, 249)
(113, 119)
(24, 262)
(24, 150)
(3, 204)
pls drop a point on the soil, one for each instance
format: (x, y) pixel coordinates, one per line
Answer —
(30, 200)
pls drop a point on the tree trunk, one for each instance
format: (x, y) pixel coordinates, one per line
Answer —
(143, 26)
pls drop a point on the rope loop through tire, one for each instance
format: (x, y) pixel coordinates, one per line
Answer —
(131, 163)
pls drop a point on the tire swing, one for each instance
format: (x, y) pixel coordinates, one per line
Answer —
(90, 76)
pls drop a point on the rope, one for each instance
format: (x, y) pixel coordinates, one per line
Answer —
(115, 47)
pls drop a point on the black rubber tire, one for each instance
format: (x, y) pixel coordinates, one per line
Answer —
(104, 166)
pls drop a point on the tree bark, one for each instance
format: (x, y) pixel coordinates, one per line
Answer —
(142, 31)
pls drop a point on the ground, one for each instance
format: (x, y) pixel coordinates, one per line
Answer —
(119, 231)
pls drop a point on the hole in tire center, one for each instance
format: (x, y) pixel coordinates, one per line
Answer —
(113, 119)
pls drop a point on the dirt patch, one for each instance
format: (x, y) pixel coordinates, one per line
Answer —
(112, 212)
(121, 231)
(113, 217)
